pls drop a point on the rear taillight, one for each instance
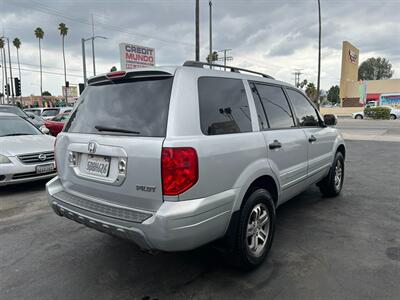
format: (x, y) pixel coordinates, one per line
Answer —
(179, 169)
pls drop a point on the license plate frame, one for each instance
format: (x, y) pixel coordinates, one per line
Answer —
(44, 169)
(98, 165)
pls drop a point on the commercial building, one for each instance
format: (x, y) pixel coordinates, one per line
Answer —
(354, 93)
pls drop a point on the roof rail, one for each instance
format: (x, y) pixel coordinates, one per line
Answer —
(199, 64)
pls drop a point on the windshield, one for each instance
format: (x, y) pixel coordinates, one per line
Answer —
(13, 110)
(16, 126)
(50, 112)
(138, 107)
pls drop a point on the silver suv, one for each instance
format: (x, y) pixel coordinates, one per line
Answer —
(175, 158)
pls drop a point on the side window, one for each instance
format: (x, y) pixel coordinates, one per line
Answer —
(276, 106)
(304, 110)
(262, 120)
(224, 108)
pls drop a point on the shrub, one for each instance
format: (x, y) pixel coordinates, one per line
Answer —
(377, 113)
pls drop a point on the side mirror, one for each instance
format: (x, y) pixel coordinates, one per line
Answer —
(330, 120)
(45, 130)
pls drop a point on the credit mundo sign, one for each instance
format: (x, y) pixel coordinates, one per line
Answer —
(135, 56)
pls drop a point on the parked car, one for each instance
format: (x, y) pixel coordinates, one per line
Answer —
(36, 118)
(394, 113)
(35, 110)
(49, 113)
(175, 158)
(56, 124)
(19, 112)
(26, 154)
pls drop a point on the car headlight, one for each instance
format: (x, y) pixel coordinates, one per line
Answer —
(4, 159)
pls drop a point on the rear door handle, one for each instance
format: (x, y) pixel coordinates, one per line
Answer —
(312, 139)
(275, 145)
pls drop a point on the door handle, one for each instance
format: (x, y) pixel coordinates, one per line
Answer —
(312, 139)
(275, 145)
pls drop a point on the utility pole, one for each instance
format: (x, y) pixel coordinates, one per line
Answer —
(319, 54)
(197, 21)
(2, 77)
(84, 62)
(5, 72)
(211, 51)
(11, 76)
(297, 74)
(94, 59)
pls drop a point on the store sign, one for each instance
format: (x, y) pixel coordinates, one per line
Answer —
(135, 56)
(72, 91)
(353, 56)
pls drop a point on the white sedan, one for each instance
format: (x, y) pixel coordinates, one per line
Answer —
(394, 113)
(26, 154)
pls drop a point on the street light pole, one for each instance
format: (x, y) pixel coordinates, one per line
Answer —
(5, 71)
(84, 61)
(210, 4)
(94, 59)
(319, 54)
(197, 54)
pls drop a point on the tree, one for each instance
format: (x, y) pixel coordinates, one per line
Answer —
(311, 91)
(113, 69)
(46, 93)
(302, 84)
(39, 33)
(333, 94)
(63, 32)
(214, 57)
(17, 44)
(375, 69)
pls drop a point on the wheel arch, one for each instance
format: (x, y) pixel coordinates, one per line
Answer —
(342, 149)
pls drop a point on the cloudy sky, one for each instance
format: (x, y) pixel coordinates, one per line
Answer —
(272, 36)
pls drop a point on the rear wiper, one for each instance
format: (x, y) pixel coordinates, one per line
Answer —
(113, 129)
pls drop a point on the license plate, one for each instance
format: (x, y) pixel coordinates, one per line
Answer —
(98, 165)
(44, 169)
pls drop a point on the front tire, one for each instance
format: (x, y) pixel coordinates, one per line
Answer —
(332, 184)
(359, 117)
(255, 230)
(393, 117)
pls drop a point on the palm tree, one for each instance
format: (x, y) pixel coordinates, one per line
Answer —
(17, 44)
(39, 33)
(63, 32)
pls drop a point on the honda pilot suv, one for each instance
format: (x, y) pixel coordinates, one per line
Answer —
(177, 157)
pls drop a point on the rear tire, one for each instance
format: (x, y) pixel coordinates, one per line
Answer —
(253, 235)
(359, 117)
(393, 117)
(332, 184)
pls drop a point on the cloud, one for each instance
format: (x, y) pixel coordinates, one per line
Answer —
(270, 36)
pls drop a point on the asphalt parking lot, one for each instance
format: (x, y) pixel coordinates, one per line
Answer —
(342, 248)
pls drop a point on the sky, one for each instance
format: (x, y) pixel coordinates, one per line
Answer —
(276, 37)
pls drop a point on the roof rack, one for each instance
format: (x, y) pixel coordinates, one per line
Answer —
(199, 64)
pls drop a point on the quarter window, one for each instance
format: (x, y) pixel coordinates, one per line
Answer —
(276, 106)
(224, 108)
(305, 112)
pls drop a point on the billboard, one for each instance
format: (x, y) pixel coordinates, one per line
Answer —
(390, 100)
(135, 56)
(72, 91)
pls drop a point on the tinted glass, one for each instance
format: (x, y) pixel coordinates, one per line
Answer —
(276, 106)
(140, 105)
(262, 120)
(16, 126)
(223, 106)
(50, 112)
(304, 110)
(13, 110)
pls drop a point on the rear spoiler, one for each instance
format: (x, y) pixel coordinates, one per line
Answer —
(128, 75)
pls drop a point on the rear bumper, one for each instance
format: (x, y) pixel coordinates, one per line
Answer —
(175, 226)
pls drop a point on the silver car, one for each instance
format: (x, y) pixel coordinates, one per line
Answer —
(175, 158)
(26, 154)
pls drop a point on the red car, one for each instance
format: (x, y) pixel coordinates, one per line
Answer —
(56, 124)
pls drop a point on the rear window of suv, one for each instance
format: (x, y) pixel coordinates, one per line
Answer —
(137, 106)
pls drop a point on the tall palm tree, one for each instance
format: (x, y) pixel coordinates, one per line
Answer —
(17, 44)
(63, 32)
(39, 33)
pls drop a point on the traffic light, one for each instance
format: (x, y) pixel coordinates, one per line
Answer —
(67, 84)
(17, 84)
(81, 88)
(7, 86)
